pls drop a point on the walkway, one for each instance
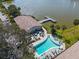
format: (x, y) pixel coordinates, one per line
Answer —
(47, 19)
(70, 53)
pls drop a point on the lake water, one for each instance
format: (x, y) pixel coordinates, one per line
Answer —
(62, 10)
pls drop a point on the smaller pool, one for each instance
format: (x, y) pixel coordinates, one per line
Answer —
(46, 45)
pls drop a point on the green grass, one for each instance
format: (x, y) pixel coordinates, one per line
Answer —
(47, 26)
(69, 36)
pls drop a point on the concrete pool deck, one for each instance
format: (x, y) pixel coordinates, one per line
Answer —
(42, 39)
(46, 53)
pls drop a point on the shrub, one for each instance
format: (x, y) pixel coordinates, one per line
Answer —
(63, 27)
(76, 22)
(14, 11)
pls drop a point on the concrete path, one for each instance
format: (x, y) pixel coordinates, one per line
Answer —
(70, 53)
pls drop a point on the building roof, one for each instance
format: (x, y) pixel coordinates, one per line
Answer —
(70, 53)
(26, 22)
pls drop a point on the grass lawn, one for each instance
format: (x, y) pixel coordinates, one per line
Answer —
(70, 35)
(47, 26)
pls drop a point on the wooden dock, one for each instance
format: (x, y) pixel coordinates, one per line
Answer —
(47, 19)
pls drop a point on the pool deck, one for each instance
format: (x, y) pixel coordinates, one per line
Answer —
(42, 39)
(49, 51)
(39, 41)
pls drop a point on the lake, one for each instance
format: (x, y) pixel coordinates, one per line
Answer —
(65, 11)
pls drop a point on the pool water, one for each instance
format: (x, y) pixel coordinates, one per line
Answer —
(46, 45)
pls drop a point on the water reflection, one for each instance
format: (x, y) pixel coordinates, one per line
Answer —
(75, 3)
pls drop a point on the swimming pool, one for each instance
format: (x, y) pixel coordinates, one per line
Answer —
(45, 46)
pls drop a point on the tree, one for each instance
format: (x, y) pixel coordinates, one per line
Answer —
(53, 30)
(68, 41)
(14, 11)
(57, 26)
(25, 38)
(9, 50)
(7, 1)
(7, 12)
(5, 50)
(76, 22)
(63, 27)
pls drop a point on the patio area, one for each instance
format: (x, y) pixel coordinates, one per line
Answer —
(50, 53)
(38, 34)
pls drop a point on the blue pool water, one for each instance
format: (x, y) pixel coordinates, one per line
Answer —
(44, 46)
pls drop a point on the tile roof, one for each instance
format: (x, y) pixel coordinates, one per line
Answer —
(26, 22)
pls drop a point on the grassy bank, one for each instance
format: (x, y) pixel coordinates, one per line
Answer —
(47, 26)
(69, 36)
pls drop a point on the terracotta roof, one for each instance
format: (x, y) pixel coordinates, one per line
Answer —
(26, 22)
(70, 53)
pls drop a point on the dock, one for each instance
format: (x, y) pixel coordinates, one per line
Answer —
(47, 19)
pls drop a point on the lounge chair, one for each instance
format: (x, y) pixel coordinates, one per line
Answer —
(52, 56)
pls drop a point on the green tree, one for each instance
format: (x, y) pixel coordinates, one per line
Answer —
(7, 50)
(7, 1)
(53, 31)
(14, 11)
(57, 26)
(26, 39)
(76, 22)
(63, 27)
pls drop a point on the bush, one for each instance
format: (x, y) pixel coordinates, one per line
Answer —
(53, 30)
(11, 19)
(14, 11)
(76, 22)
(57, 26)
(68, 41)
(63, 27)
